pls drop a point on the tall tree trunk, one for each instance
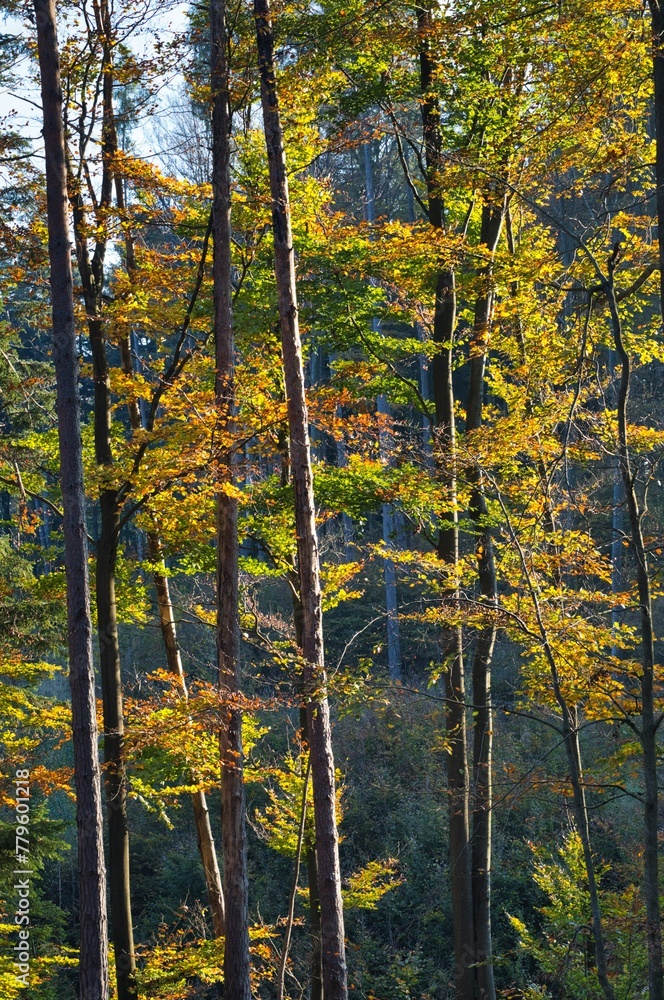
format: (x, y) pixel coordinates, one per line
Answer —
(657, 20)
(93, 961)
(91, 271)
(237, 984)
(649, 719)
(91, 274)
(318, 713)
(448, 542)
(490, 228)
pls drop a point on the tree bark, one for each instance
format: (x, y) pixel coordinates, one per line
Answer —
(649, 720)
(93, 962)
(237, 984)
(318, 714)
(448, 541)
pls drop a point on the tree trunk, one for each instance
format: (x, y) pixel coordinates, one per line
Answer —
(91, 271)
(204, 835)
(649, 720)
(448, 544)
(237, 984)
(322, 761)
(115, 778)
(389, 520)
(491, 225)
(93, 961)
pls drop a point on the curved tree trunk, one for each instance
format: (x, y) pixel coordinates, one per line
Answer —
(318, 713)
(93, 962)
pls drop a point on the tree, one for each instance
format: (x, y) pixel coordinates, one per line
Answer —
(318, 713)
(237, 985)
(93, 974)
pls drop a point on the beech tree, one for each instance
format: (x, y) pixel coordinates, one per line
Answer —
(318, 715)
(237, 984)
(93, 968)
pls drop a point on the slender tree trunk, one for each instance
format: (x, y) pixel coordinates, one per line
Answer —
(569, 716)
(389, 569)
(281, 976)
(93, 962)
(448, 542)
(389, 517)
(312, 867)
(570, 733)
(237, 983)
(115, 778)
(322, 760)
(649, 719)
(657, 19)
(490, 228)
(91, 271)
(204, 835)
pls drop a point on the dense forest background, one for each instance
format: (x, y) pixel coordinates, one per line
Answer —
(473, 190)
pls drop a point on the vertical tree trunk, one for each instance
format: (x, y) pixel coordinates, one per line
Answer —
(570, 733)
(389, 569)
(91, 274)
(204, 835)
(649, 720)
(448, 544)
(237, 984)
(91, 271)
(318, 714)
(93, 962)
(490, 228)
